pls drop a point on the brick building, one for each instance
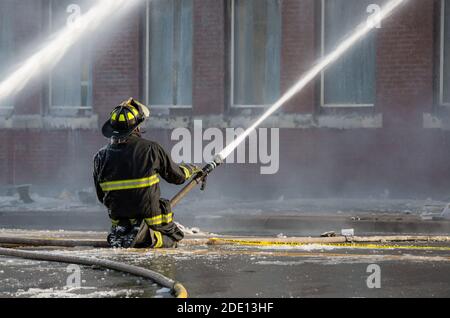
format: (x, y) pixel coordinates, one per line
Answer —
(378, 120)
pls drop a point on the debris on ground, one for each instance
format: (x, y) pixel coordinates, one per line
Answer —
(192, 230)
(328, 234)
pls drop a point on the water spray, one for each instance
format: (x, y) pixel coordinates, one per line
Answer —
(361, 31)
(49, 56)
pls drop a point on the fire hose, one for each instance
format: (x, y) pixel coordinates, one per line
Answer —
(177, 289)
(200, 178)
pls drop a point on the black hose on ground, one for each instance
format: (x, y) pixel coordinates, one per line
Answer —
(177, 289)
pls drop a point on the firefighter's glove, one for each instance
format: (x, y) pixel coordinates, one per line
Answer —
(190, 170)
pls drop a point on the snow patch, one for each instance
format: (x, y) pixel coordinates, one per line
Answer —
(163, 290)
(76, 293)
(194, 231)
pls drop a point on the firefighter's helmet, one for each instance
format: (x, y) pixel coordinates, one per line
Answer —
(125, 118)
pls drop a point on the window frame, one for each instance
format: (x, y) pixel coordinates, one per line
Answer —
(232, 64)
(147, 68)
(442, 55)
(60, 110)
(322, 73)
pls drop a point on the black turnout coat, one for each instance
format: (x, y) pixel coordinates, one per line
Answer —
(127, 175)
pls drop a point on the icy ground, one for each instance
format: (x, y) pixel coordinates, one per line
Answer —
(292, 217)
(31, 279)
(310, 271)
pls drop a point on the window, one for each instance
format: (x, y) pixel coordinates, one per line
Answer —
(444, 81)
(255, 52)
(168, 53)
(7, 48)
(350, 82)
(70, 88)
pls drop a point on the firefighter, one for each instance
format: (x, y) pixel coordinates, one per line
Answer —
(127, 173)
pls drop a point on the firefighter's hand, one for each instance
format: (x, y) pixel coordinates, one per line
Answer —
(190, 170)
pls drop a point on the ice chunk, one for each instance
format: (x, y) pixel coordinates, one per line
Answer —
(163, 291)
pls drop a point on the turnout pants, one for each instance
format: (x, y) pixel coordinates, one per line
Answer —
(156, 232)
(160, 236)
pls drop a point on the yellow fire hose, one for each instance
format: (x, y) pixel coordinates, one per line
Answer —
(269, 243)
(176, 288)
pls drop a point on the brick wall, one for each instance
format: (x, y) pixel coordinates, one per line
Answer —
(405, 61)
(64, 157)
(402, 156)
(298, 50)
(209, 53)
(29, 26)
(117, 66)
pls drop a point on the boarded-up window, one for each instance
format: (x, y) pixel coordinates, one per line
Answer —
(71, 80)
(256, 44)
(7, 47)
(351, 80)
(445, 54)
(169, 53)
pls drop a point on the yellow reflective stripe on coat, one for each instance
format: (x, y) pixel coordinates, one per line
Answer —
(160, 219)
(130, 184)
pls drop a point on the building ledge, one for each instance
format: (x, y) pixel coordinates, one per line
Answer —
(296, 121)
(431, 121)
(48, 122)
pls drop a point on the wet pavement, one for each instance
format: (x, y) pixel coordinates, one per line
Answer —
(25, 278)
(294, 217)
(238, 271)
(268, 224)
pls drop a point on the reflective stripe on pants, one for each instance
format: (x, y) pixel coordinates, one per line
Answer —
(160, 219)
(159, 240)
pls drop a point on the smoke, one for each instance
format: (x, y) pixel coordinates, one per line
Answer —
(49, 56)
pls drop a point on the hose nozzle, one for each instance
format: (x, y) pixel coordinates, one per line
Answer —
(200, 178)
(217, 161)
